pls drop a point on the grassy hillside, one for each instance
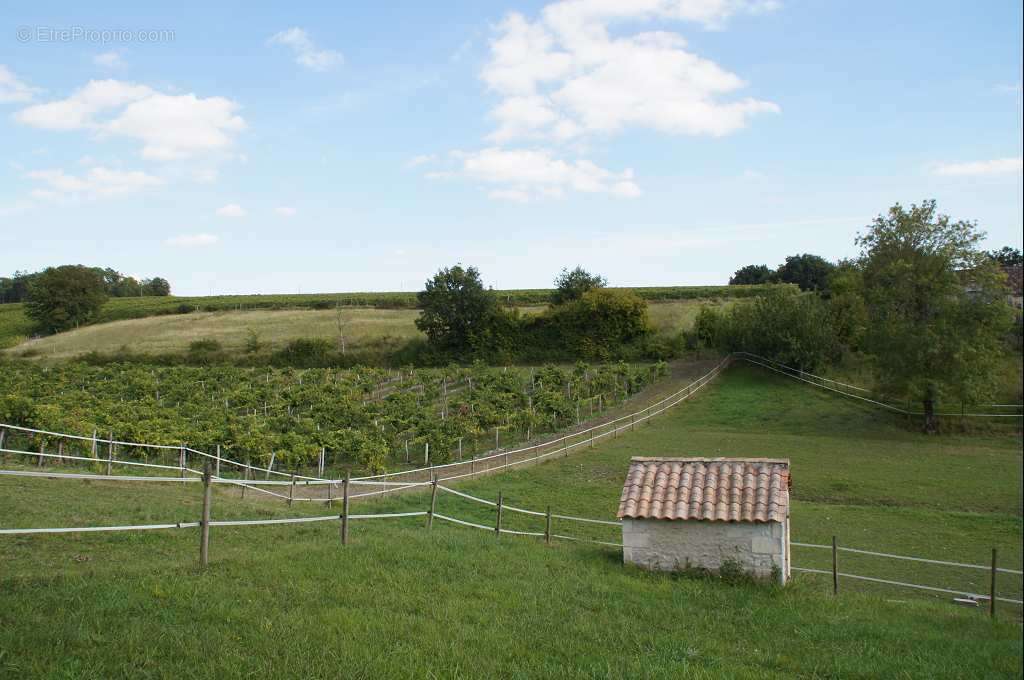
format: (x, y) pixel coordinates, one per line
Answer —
(457, 602)
(363, 327)
(14, 327)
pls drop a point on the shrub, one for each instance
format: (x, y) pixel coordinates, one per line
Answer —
(305, 353)
(204, 345)
(795, 329)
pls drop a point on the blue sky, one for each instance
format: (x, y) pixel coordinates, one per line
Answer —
(238, 149)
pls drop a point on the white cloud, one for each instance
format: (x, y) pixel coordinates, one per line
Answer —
(170, 127)
(564, 75)
(996, 166)
(193, 240)
(515, 195)
(109, 60)
(285, 211)
(231, 210)
(422, 159)
(98, 182)
(12, 89)
(306, 52)
(535, 173)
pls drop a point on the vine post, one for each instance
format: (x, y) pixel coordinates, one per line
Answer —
(204, 525)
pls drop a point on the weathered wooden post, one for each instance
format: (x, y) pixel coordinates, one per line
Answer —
(218, 461)
(330, 494)
(181, 461)
(992, 588)
(245, 476)
(344, 508)
(497, 523)
(835, 567)
(110, 453)
(291, 490)
(433, 503)
(547, 526)
(204, 529)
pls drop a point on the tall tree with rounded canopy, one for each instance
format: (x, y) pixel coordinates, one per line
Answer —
(752, 274)
(571, 285)
(64, 297)
(937, 315)
(457, 312)
(810, 272)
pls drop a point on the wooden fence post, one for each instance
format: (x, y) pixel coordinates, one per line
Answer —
(110, 453)
(344, 508)
(547, 526)
(433, 503)
(204, 531)
(218, 461)
(497, 523)
(42, 444)
(835, 567)
(330, 495)
(992, 588)
(245, 476)
(291, 490)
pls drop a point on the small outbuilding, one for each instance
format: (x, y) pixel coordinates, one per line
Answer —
(680, 513)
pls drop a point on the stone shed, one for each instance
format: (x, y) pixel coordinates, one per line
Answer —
(680, 513)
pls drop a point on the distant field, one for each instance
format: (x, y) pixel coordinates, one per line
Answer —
(14, 327)
(363, 327)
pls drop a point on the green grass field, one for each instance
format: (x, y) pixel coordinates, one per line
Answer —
(400, 601)
(364, 327)
(15, 326)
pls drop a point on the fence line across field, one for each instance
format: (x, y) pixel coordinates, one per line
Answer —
(974, 596)
(905, 557)
(798, 374)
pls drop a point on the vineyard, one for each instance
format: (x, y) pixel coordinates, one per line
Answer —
(368, 420)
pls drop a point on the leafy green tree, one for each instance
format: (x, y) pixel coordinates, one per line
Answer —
(752, 274)
(1007, 256)
(810, 272)
(156, 287)
(785, 325)
(63, 297)
(935, 305)
(458, 315)
(571, 285)
(599, 323)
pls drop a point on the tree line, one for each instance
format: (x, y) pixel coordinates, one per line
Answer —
(115, 284)
(60, 298)
(921, 300)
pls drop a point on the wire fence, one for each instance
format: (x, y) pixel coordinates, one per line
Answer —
(499, 526)
(864, 394)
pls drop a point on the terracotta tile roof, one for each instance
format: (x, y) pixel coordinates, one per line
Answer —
(718, 489)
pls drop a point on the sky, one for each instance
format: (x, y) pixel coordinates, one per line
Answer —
(326, 147)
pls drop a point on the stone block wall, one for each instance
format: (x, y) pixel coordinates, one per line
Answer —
(668, 545)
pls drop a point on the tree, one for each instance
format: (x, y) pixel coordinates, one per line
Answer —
(752, 274)
(935, 306)
(1007, 256)
(810, 272)
(599, 323)
(457, 313)
(156, 287)
(63, 297)
(571, 285)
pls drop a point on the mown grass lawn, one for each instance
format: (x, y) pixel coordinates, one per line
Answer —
(401, 601)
